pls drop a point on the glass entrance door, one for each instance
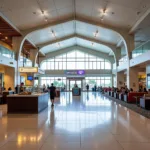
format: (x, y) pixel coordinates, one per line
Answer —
(71, 85)
(78, 82)
(73, 82)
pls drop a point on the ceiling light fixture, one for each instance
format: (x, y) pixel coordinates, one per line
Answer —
(0, 33)
(96, 33)
(53, 34)
(6, 37)
(42, 12)
(59, 44)
(104, 11)
(46, 19)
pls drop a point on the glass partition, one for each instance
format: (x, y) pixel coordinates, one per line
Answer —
(6, 52)
(25, 62)
(141, 49)
(123, 60)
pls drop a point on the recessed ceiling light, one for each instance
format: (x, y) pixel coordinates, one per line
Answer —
(0, 33)
(53, 33)
(34, 13)
(96, 33)
(104, 11)
(46, 19)
(6, 37)
(42, 12)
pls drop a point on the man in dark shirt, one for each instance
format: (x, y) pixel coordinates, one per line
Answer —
(52, 93)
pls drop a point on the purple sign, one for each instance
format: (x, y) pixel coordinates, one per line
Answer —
(75, 72)
(81, 72)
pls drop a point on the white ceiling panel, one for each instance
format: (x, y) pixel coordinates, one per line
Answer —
(27, 14)
(91, 45)
(20, 12)
(45, 35)
(63, 3)
(103, 35)
(67, 11)
(58, 46)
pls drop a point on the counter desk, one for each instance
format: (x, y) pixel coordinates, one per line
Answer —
(27, 103)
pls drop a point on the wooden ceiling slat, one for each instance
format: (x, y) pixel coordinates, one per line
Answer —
(7, 30)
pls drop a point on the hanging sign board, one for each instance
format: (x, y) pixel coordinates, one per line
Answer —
(31, 70)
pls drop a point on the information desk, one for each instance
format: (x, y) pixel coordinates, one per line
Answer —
(5, 93)
(76, 91)
(27, 103)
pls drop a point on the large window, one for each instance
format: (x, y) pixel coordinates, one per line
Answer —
(75, 60)
(57, 81)
(99, 81)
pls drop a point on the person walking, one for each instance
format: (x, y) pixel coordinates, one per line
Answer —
(87, 87)
(52, 93)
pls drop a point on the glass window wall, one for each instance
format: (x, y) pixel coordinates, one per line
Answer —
(75, 60)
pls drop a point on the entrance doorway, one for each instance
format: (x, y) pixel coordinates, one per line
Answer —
(75, 81)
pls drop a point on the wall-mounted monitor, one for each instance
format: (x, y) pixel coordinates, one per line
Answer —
(30, 78)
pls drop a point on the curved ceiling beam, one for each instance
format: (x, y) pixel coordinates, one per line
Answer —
(127, 39)
(83, 49)
(138, 22)
(120, 31)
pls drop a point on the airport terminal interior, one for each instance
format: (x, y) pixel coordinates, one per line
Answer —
(74, 74)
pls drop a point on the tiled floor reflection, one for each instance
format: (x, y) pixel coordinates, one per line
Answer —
(89, 122)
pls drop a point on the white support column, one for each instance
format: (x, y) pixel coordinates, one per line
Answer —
(132, 79)
(17, 47)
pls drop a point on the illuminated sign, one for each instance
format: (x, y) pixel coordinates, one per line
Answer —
(31, 70)
(75, 72)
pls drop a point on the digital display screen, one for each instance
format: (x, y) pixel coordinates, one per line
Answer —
(30, 78)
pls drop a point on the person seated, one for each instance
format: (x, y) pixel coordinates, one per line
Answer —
(9, 89)
(113, 89)
(123, 91)
(140, 89)
(126, 90)
(144, 90)
(131, 90)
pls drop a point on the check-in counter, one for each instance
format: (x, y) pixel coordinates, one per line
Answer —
(27, 103)
(76, 91)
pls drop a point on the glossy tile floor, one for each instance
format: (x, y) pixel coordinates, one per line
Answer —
(89, 122)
